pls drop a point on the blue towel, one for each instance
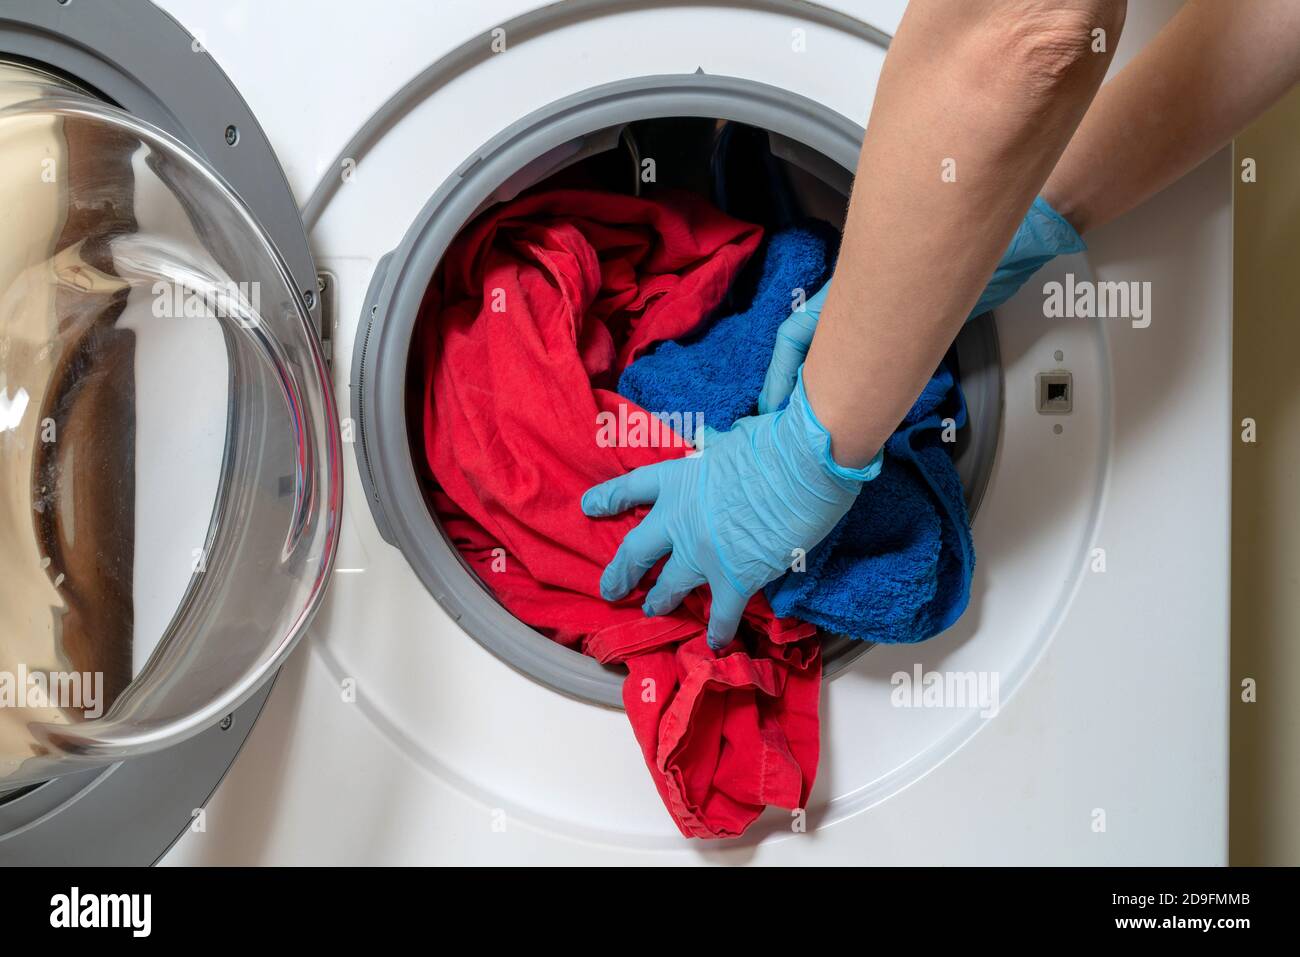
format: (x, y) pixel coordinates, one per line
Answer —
(898, 566)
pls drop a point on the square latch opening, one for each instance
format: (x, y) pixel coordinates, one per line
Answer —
(1055, 392)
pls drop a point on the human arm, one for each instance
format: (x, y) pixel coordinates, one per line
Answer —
(1212, 69)
(992, 93)
(998, 87)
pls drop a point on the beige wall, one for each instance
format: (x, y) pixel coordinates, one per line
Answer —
(1265, 776)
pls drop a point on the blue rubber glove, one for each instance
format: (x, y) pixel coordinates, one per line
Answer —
(1042, 236)
(732, 515)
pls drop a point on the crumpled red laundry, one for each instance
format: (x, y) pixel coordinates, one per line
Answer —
(535, 311)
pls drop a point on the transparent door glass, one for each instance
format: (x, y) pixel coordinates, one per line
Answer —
(169, 464)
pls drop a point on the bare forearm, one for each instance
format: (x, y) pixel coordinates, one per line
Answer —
(975, 104)
(1214, 68)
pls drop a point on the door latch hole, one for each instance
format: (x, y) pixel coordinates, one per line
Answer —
(1055, 393)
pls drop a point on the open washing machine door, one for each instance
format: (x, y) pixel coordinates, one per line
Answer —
(168, 434)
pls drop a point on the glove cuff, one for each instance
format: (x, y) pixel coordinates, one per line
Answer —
(1053, 234)
(817, 439)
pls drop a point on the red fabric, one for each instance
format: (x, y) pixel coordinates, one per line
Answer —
(537, 308)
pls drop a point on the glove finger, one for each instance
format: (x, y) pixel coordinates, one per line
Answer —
(816, 301)
(782, 371)
(641, 548)
(793, 338)
(798, 328)
(637, 487)
(675, 582)
(724, 615)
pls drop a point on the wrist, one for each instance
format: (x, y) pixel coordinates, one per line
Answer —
(845, 461)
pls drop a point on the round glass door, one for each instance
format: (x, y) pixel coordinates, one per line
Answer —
(170, 478)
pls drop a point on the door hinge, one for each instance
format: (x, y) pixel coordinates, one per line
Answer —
(325, 295)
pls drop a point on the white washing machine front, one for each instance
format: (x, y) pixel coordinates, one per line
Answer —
(394, 736)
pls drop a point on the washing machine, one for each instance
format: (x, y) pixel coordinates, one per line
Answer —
(402, 715)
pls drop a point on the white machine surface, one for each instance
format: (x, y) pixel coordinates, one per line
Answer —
(393, 737)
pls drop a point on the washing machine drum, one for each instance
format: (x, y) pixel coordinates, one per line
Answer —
(168, 443)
